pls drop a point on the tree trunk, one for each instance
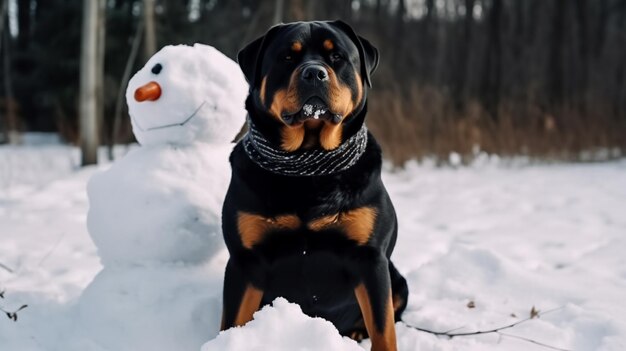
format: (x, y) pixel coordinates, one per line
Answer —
(462, 62)
(430, 11)
(3, 15)
(149, 45)
(399, 26)
(493, 63)
(89, 77)
(311, 9)
(100, 68)
(297, 10)
(12, 127)
(582, 9)
(278, 11)
(23, 22)
(555, 65)
(429, 39)
(602, 27)
(119, 102)
(3, 11)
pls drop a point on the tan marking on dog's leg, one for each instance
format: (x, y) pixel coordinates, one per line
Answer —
(359, 224)
(397, 302)
(382, 340)
(251, 228)
(250, 303)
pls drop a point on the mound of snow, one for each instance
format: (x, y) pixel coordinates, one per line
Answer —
(152, 308)
(282, 327)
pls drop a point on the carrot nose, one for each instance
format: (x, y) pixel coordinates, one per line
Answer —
(150, 91)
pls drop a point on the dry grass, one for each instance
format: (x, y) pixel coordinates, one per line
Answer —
(424, 123)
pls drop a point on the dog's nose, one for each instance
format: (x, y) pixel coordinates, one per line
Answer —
(314, 73)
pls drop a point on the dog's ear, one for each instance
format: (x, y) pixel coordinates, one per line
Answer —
(368, 54)
(250, 58)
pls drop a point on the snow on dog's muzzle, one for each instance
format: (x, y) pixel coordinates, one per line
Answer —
(313, 109)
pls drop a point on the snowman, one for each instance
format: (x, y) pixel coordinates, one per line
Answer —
(155, 215)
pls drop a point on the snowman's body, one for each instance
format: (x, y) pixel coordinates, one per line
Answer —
(155, 215)
(160, 204)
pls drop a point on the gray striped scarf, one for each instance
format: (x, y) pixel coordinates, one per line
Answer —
(304, 162)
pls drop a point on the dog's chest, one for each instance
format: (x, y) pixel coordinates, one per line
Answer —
(323, 212)
(310, 277)
(324, 231)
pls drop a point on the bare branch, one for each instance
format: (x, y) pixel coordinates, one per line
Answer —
(6, 268)
(13, 314)
(534, 314)
(532, 341)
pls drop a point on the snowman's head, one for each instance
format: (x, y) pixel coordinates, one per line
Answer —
(186, 94)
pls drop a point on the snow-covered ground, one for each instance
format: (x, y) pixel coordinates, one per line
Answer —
(506, 238)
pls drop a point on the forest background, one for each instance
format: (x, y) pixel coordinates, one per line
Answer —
(537, 78)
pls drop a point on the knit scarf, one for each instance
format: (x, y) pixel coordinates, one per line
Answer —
(303, 162)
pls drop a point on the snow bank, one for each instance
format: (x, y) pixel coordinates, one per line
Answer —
(173, 307)
(508, 239)
(282, 327)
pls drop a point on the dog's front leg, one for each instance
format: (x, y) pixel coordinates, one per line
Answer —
(241, 298)
(375, 300)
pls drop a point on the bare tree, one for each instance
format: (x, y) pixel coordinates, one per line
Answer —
(556, 55)
(11, 118)
(90, 76)
(545, 78)
(119, 102)
(582, 10)
(3, 12)
(493, 63)
(278, 11)
(460, 77)
(150, 30)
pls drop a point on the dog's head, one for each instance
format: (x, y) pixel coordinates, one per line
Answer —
(308, 83)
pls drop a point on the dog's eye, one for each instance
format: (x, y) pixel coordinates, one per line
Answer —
(288, 57)
(334, 57)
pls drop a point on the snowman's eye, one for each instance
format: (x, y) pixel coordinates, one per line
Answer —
(157, 68)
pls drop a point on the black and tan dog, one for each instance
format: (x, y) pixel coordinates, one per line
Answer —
(307, 216)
